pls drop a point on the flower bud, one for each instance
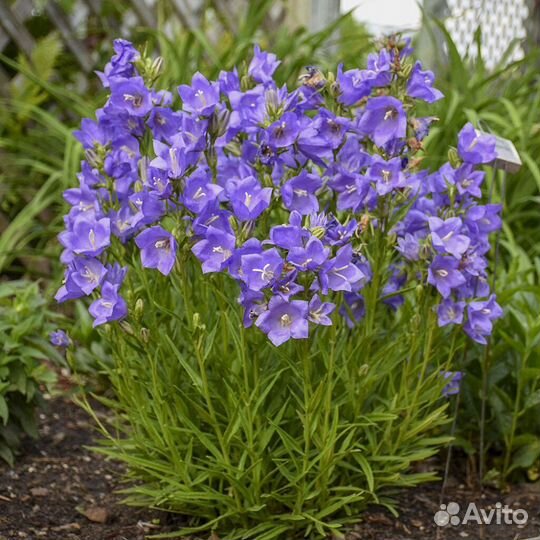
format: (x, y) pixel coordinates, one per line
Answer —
(93, 158)
(143, 169)
(127, 328)
(245, 83)
(234, 225)
(363, 370)
(139, 309)
(197, 324)
(155, 68)
(453, 158)
(272, 102)
(406, 70)
(219, 122)
(145, 335)
(318, 232)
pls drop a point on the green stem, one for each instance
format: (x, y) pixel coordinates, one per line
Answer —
(372, 296)
(412, 406)
(327, 411)
(485, 371)
(307, 423)
(515, 416)
(213, 417)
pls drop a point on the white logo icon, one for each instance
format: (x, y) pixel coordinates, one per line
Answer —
(447, 515)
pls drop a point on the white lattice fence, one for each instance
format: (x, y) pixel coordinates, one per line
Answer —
(502, 22)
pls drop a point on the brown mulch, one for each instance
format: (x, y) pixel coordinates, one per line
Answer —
(59, 490)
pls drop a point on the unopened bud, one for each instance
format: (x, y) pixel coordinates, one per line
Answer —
(234, 224)
(155, 68)
(272, 102)
(197, 324)
(219, 122)
(143, 169)
(318, 232)
(93, 158)
(245, 83)
(127, 328)
(139, 309)
(406, 70)
(145, 335)
(453, 158)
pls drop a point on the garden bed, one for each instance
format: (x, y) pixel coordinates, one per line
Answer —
(59, 490)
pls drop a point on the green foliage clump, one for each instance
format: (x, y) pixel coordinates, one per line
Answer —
(25, 355)
(254, 441)
(501, 388)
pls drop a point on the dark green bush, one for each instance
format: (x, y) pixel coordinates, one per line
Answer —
(25, 362)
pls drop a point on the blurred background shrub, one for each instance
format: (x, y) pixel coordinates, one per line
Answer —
(25, 361)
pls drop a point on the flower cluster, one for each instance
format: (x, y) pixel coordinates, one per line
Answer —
(286, 191)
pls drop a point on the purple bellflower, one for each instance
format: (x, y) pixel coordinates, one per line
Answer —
(158, 249)
(383, 119)
(284, 320)
(110, 307)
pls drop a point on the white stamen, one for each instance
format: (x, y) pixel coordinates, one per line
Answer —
(390, 113)
(337, 272)
(266, 274)
(225, 252)
(286, 320)
(136, 100)
(89, 275)
(199, 194)
(162, 244)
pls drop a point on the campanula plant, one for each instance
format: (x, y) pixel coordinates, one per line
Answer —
(288, 285)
